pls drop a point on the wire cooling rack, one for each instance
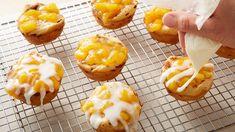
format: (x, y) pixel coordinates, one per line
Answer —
(160, 112)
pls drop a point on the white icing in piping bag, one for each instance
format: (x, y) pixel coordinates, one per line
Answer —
(199, 49)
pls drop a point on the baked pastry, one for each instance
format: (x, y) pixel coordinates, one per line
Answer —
(101, 57)
(112, 107)
(35, 79)
(226, 52)
(113, 14)
(177, 70)
(156, 28)
(41, 23)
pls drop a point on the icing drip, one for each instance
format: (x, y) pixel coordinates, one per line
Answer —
(45, 67)
(186, 70)
(112, 113)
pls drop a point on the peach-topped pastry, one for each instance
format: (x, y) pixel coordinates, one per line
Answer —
(41, 23)
(35, 79)
(113, 14)
(112, 107)
(101, 57)
(156, 28)
(177, 70)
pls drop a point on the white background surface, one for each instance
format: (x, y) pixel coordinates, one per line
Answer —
(16, 6)
(13, 7)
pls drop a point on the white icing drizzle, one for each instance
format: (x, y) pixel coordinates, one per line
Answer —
(186, 71)
(46, 70)
(175, 67)
(112, 114)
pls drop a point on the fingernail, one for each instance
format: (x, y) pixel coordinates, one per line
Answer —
(170, 20)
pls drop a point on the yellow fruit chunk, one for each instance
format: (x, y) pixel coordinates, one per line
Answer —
(51, 8)
(33, 13)
(125, 116)
(156, 26)
(107, 7)
(181, 60)
(106, 94)
(161, 11)
(105, 106)
(173, 74)
(28, 26)
(116, 1)
(23, 78)
(80, 55)
(98, 90)
(199, 78)
(56, 84)
(33, 70)
(39, 85)
(173, 86)
(59, 70)
(128, 96)
(127, 2)
(11, 92)
(24, 19)
(51, 17)
(153, 19)
(103, 53)
(102, 92)
(86, 105)
(33, 78)
(182, 81)
(92, 60)
(207, 74)
(34, 62)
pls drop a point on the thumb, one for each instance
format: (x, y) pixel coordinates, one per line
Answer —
(184, 22)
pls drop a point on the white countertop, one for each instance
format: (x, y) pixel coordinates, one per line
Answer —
(16, 6)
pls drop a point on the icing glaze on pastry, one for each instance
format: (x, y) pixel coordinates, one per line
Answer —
(115, 102)
(34, 73)
(181, 71)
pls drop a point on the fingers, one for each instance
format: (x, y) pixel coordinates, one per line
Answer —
(182, 41)
(185, 22)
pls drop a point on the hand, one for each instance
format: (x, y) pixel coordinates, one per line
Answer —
(219, 27)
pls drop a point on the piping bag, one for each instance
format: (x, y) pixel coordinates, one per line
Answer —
(199, 49)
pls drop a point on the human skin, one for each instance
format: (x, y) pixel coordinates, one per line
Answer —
(219, 27)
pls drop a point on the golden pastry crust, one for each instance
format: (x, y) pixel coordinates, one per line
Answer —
(226, 52)
(106, 126)
(100, 75)
(35, 98)
(106, 72)
(165, 38)
(191, 92)
(52, 32)
(114, 24)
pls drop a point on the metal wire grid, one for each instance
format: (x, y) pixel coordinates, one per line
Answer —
(160, 111)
